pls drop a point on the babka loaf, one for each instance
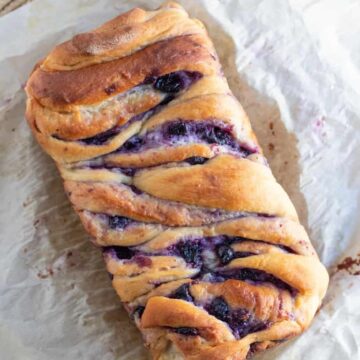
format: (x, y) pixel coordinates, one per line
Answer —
(158, 158)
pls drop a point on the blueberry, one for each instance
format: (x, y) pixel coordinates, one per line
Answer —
(196, 160)
(220, 309)
(170, 83)
(110, 89)
(190, 251)
(122, 252)
(225, 254)
(187, 331)
(177, 129)
(118, 222)
(216, 135)
(243, 323)
(182, 293)
(223, 137)
(134, 143)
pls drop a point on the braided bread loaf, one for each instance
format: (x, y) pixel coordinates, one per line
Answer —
(159, 160)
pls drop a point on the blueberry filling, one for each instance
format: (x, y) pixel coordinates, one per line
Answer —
(185, 131)
(190, 251)
(176, 81)
(256, 276)
(103, 137)
(133, 144)
(196, 160)
(118, 222)
(182, 293)
(170, 83)
(126, 253)
(242, 254)
(167, 99)
(225, 254)
(241, 321)
(128, 171)
(216, 135)
(187, 331)
(177, 128)
(121, 252)
(135, 190)
(220, 309)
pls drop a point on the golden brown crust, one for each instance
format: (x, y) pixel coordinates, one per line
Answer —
(90, 85)
(224, 182)
(120, 36)
(158, 158)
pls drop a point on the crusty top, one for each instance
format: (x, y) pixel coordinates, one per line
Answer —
(158, 158)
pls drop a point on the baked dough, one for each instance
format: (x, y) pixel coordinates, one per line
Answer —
(204, 247)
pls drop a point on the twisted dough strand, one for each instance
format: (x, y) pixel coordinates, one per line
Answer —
(158, 158)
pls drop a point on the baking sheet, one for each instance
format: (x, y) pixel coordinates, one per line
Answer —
(295, 67)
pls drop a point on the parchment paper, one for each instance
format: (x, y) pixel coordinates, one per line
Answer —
(294, 65)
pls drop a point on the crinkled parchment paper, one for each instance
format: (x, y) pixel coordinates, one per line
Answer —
(295, 67)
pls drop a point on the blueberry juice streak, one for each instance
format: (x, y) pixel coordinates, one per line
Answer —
(170, 84)
(179, 132)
